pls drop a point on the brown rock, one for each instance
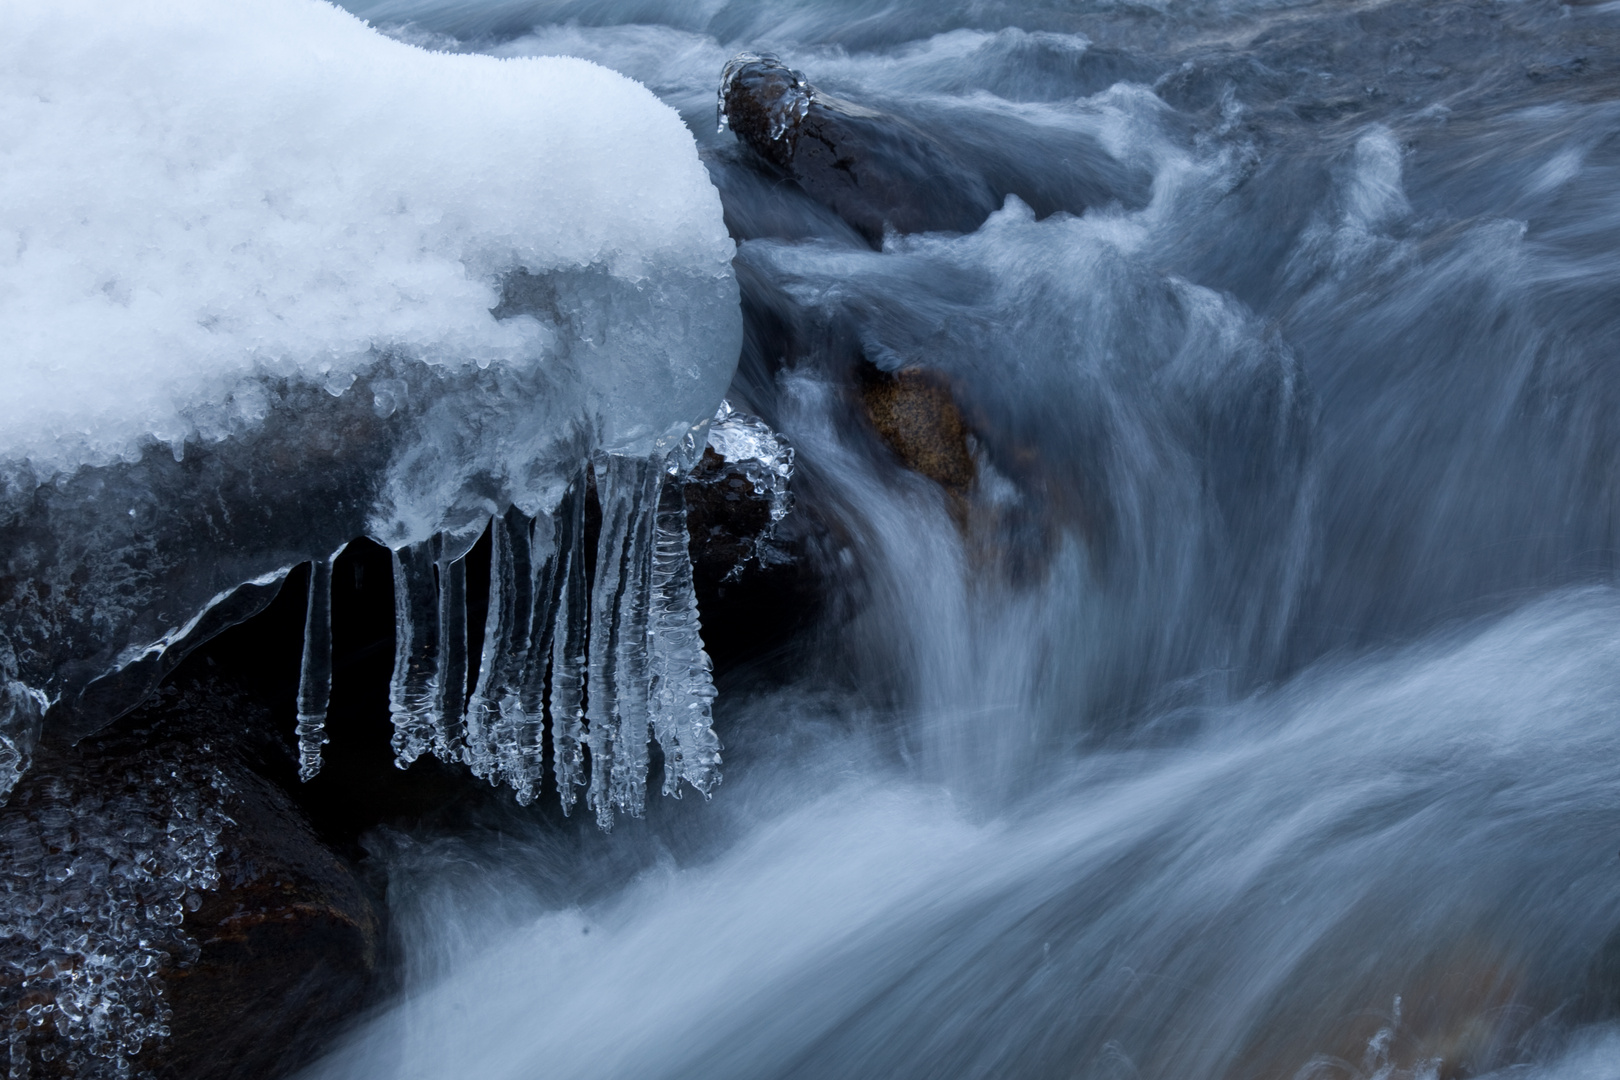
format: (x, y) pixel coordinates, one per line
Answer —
(288, 947)
(917, 417)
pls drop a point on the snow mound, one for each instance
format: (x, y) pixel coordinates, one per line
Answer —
(270, 281)
(197, 192)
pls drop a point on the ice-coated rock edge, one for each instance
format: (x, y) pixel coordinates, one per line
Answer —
(271, 281)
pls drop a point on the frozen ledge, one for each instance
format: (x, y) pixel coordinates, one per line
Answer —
(270, 281)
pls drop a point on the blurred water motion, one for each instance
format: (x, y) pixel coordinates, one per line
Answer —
(1253, 711)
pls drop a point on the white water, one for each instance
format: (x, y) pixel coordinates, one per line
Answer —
(1261, 720)
(1437, 826)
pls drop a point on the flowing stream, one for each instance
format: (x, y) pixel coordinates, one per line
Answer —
(1255, 712)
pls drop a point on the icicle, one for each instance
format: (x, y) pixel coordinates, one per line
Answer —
(623, 650)
(630, 756)
(506, 637)
(315, 675)
(618, 650)
(682, 686)
(413, 692)
(449, 711)
(605, 592)
(518, 728)
(523, 711)
(568, 657)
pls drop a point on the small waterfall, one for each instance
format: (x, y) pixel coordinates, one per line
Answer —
(1234, 698)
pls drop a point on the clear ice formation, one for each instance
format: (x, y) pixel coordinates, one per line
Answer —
(93, 897)
(620, 649)
(344, 287)
(623, 651)
(315, 673)
(763, 456)
(681, 687)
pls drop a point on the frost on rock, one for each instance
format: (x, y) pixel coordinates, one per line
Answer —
(341, 287)
(94, 891)
(763, 457)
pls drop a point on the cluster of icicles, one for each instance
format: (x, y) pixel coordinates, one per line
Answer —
(623, 651)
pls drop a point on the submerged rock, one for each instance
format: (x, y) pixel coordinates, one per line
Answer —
(917, 416)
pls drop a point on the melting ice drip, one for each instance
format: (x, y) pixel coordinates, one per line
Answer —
(620, 655)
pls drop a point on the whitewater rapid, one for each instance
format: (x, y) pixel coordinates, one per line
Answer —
(1428, 836)
(1256, 713)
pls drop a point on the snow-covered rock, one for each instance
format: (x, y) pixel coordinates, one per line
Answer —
(270, 280)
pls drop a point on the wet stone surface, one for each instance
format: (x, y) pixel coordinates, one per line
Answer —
(917, 417)
(750, 541)
(876, 171)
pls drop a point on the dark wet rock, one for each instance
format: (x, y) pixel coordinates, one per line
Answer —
(753, 570)
(169, 911)
(758, 204)
(737, 493)
(1011, 524)
(939, 167)
(288, 946)
(875, 170)
(726, 518)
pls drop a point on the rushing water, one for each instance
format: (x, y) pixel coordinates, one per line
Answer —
(1257, 714)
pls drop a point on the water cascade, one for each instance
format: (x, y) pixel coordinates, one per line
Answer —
(1217, 677)
(1199, 423)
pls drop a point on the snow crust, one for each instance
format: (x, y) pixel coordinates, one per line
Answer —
(197, 193)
